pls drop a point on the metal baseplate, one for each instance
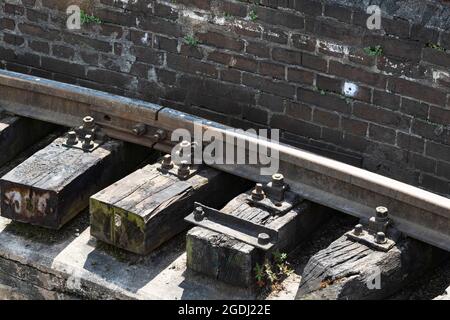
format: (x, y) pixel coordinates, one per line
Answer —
(86, 137)
(181, 171)
(274, 197)
(184, 169)
(246, 231)
(379, 234)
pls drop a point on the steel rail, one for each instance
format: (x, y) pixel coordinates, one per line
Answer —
(415, 212)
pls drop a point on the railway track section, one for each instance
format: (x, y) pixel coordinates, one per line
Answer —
(79, 206)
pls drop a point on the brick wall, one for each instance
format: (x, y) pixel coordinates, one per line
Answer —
(280, 63)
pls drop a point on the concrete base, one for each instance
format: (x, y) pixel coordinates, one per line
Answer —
(68, 264)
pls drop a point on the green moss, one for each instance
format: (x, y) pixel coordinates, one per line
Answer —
(87, 19)
(435, 46)
(273, 271)
(253, 15)
(191, 40)
(374, 51)
(136, 220)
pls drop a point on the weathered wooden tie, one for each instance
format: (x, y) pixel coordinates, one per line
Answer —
(148, 207)
(17, 134)
(54, 184)
(366, 263)
(227, 245)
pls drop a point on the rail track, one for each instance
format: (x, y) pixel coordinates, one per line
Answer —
(98, 211)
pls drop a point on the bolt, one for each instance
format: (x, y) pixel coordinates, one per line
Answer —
(263, 238)
(278, 180)
(382, 213)
(159, 135)
(258, 193)
(139, 129)
(183, 169)
(199, 214)
(167, 163)
(380, 238)
(87, 143)
(71, 138)
(88, 122)
(358, 230)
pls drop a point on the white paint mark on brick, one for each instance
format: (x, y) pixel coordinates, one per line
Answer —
(350, 89)
(302, 38)
(439, 74)
(221, 21)
(152, 76)
(333, 47)
(273, 34)
(194, 16)
(246, 26)
(145, 39)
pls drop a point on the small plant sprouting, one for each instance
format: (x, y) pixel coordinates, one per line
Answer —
(376, 51)
(252, 15)
(435, 46)
(191, 40)
(86, 18)
(273, 271)
(259, 275)
(227, 16)
(321, 91)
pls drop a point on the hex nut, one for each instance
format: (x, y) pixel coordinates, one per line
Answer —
(88, 122)
(358, 230)
(87, 142)
(277, 180)
(382, 212)
(263, 238)
(139, 129)
(183, 169)
(258, 193)
(380, 238)
(167, 163)
(199, 214)
(71, 138)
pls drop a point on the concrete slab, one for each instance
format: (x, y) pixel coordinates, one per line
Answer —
(68, 264)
